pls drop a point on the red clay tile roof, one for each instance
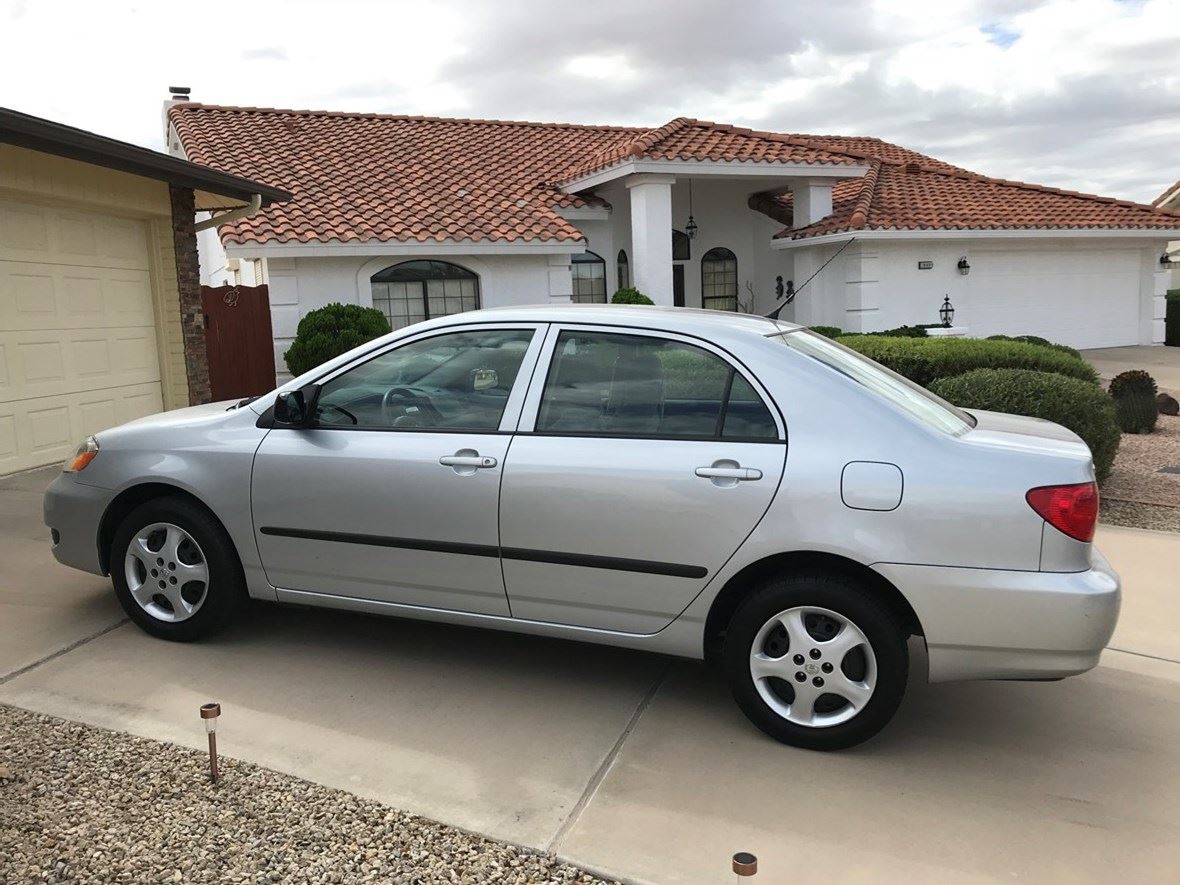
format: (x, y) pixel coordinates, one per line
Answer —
(917, 196)
(365, 177)
(686, 139)
(376, 177)
(1172, 191)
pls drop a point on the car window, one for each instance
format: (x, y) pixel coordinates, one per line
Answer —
(458, 381)
(607, 384)
(903, 393)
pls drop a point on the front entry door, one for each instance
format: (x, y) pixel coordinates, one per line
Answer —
(678, 285)
(649, 462)
(393, 495)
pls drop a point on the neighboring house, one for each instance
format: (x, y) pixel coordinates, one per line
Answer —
(420, 216)
(1169, 201)
(100, 302)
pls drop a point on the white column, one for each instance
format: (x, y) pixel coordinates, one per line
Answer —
(651, 236)
(811, 200)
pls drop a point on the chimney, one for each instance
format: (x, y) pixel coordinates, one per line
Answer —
(176, 95)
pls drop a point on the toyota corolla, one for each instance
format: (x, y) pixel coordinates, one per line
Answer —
(687, 482)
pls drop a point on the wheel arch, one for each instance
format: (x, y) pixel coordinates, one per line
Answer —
(737, 587)
(126, 501)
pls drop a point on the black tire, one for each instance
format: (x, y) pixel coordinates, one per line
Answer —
(886, 637)
(226, 589)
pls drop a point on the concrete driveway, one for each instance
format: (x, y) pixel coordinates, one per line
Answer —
(1162, 363)
(638, 766)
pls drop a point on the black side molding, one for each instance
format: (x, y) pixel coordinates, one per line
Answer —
(614, 563)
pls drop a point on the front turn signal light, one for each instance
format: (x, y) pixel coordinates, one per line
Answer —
(85, 454)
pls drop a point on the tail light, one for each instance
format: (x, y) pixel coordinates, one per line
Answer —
(1071, 509)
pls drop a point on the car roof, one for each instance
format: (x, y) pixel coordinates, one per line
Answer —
(692, 321)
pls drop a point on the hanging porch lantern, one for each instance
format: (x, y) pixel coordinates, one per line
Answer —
(691, 227)
(946, 313)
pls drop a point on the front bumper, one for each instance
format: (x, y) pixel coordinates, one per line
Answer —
(73, 512)
(994, 624)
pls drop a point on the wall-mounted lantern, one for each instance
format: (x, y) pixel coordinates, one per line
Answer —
(1166, 259)
(778, 288)
(964, 267)
(691, 227)
(946, 313)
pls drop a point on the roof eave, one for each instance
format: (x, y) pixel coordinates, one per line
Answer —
(711, 168)
(46, 136)
(397, 248)
(1038, 233)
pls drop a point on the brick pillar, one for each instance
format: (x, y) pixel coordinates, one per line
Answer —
(188, 282)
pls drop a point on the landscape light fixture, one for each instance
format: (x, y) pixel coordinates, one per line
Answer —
(744, 864)
(964, 267)
(946, 313)
(691, 227)
(210, 712)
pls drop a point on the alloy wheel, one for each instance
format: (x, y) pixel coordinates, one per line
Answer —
(813, 666)
(166, 572)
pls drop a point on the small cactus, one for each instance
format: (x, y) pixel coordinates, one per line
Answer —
(1134, 398)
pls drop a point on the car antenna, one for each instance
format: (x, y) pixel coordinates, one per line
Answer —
(773, 315)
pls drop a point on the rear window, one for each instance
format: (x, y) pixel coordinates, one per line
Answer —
(911, 398)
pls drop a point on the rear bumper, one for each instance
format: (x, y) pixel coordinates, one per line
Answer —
(993, 624)
(73, 512)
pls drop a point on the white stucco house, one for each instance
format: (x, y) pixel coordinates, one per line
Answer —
(422, 216)
(1169, 201)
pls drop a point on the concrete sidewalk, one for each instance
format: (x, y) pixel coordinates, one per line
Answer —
(634, 765)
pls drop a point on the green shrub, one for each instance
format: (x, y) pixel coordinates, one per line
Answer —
(1037, 340)
(906, 331)
(924, 360)
(1134, 399)
(1084, 408)
(1172, 318)
(330, 331)
(627, 295)
(827, 331)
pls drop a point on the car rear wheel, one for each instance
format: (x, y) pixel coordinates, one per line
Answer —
(175, 570)
(816, 662)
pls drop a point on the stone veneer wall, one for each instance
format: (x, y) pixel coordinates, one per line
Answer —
(188, 281)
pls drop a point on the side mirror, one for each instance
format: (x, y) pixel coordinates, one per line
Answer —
(296, 408)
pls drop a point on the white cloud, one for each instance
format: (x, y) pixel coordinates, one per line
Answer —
(1076, 93)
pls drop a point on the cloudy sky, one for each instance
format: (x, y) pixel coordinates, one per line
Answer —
(1083, 94)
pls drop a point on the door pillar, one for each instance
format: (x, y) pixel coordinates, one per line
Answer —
(651, 235)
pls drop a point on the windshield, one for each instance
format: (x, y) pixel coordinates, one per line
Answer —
(903, 393)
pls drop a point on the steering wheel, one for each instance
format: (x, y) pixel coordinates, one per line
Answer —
(397, 400)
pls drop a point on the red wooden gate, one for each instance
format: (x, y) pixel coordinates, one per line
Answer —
(238, 341)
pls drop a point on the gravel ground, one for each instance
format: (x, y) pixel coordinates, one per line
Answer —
(82, 804)
(1136, 494)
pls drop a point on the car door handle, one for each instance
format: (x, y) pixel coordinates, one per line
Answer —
(741, 474)
(476, 461)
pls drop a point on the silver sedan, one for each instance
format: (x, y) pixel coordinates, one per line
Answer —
(692, 483)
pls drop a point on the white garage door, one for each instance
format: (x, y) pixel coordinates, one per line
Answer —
(77, 330)
(1083, 298)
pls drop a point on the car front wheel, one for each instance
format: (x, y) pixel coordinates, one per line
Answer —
(816, 662)
(175, 570)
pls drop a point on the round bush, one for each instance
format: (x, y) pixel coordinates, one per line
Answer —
(827, 331)
(1084, 408)
(1134, 395)
(627, 295)
(330, 331)
(925, 360)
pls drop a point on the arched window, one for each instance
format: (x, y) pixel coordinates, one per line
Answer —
(414, 291)
(589, 272)
(719, 280)
(681, 246)
(624, 270)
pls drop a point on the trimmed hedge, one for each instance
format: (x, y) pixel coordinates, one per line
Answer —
(906, 331)
(1172, 318)
(1084, 408)
(330, 331)
(925, 360)
(629, 295)
(1037, 340)
(827, 331)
